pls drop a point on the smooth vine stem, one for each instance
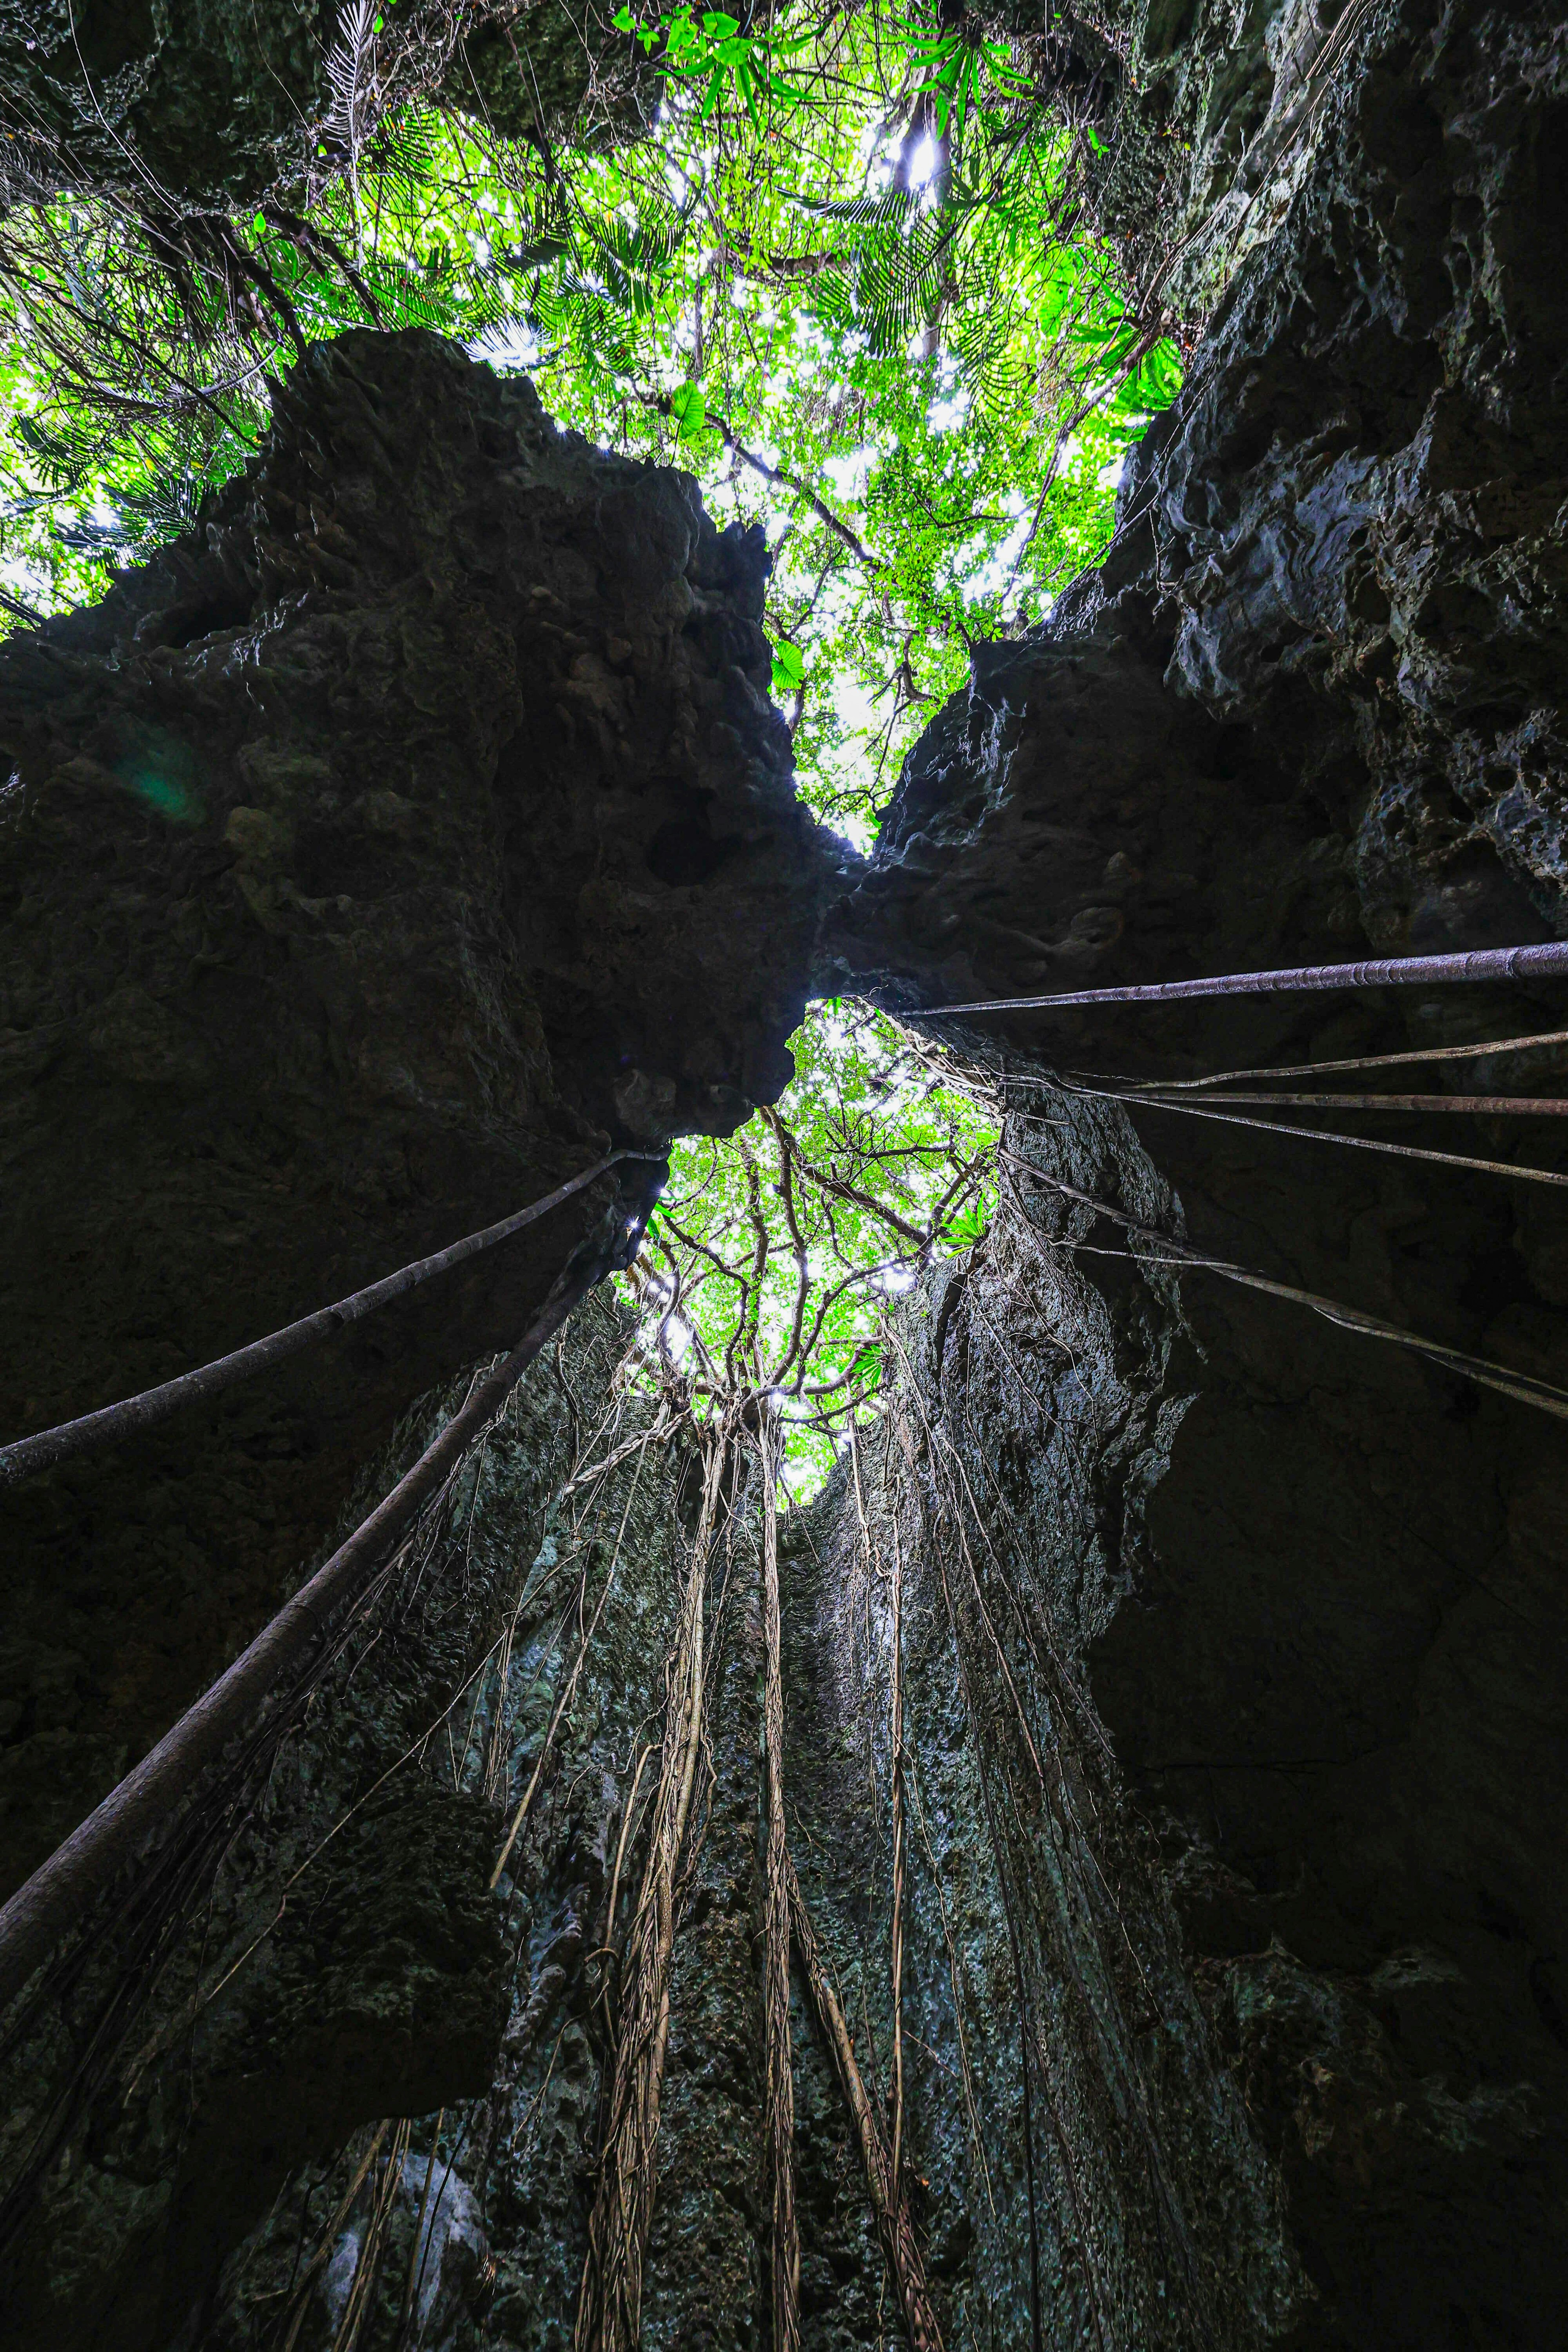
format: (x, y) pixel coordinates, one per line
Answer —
(416, 2266)
(1549, 961)
(609, 2309)
(1207, 1108)
(140, 349)
(744, 1341)
(326, 2245)
(628, 1817)
(305, 235)
(672, 1306)
(801, 1386)
(692, 1241)
(27, 1456)
(368, 2268)
(895, 1776)
(894, 2227)
(1470, 1106)
(1318, 1069)
(20, 611)
(786, 1151)
(1163, 1249)
(779, 2071)
(777, 476)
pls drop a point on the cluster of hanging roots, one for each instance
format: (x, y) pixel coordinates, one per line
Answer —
(609, 2309)
(737, 1450)
(1047, 1805)
(140, 1929)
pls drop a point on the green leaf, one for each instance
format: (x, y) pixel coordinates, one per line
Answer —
(689, 410)
(789, 667)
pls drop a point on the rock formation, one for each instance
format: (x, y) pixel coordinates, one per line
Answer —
(1232, 1650)
(364, 1967)
(373, 858)
(1311, 703)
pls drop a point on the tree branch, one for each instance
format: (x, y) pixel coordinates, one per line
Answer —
(660, 402)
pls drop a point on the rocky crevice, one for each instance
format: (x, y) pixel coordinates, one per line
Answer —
(1235, 1733)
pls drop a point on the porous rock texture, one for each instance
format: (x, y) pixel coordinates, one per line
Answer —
(198, 107)
(1082, 2167)
(1312, 703)
(326, 1950)
(376, 858)
(1232, 1660)
(338, 1960)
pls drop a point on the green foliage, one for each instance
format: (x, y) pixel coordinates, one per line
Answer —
(954, 68)
(712, 50)
(775, 1257)
(789, 667)
(689, 412)
(850, 283)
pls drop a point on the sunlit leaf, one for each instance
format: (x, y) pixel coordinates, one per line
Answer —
(690, 411)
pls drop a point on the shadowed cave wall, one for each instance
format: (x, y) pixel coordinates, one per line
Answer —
(351, 861)
(1312, 702)
(1232, 1644)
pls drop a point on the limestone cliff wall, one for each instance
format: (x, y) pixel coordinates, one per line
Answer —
(1313, 702)
(1234, 1655)
(1236, 1694)
(328, 1952)
(370, 860)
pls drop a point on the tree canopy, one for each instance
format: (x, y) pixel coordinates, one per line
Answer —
(848, 275)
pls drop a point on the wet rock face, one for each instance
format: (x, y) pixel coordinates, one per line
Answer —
(1314, 696)
(1312, 703)
(1362, 515)
(1306, 1570)
(1212, 120)
(1083, 2161)
(518, 2150)
(371, 859)
(328, 1949)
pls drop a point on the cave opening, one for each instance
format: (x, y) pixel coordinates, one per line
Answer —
(780, 1452)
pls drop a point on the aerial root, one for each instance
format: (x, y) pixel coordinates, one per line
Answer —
(890, 2205)
(778, 2057)
(609, 2309)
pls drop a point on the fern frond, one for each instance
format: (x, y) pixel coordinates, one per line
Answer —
(891, 209)
(349, 64)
